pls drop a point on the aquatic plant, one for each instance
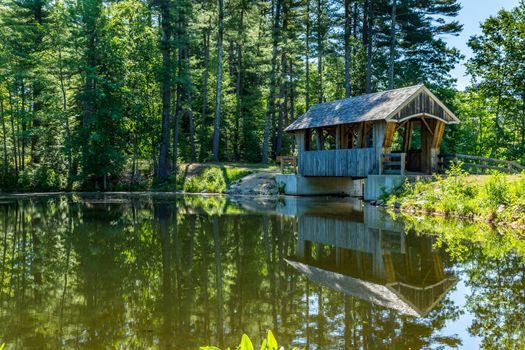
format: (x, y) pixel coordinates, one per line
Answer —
(269, 343)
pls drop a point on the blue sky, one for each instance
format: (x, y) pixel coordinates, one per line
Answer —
(471, 15)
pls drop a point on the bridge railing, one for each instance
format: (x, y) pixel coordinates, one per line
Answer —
(476, 164)
(393, 163)
(287, 161)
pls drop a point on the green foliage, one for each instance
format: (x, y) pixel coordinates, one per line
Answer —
(494, 197)
(212, 180)
(269, 343)
(281, 187)
(80, 81)
(492, 108)
(234, 174)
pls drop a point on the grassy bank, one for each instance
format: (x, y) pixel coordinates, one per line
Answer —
(495, 198)
(211, 177)
(194, 178)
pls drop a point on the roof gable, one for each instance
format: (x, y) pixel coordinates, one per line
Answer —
(386, 105)
(401, 297)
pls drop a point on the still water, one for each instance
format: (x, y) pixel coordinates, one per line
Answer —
(166, 272)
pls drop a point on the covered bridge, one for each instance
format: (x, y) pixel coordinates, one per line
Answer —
(396, 131)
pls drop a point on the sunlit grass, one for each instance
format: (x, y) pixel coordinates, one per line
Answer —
(211, 177)
(493, 198)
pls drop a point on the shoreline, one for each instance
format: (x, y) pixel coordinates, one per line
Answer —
(469, 218)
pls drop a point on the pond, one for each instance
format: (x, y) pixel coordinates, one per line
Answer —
(141, 271)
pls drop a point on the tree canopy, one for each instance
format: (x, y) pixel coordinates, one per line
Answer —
(102, 95)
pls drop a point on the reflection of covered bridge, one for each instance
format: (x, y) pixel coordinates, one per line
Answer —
(368, 256)
(392, 132)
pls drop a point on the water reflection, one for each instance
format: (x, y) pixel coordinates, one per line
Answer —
(369, 257)
(161, 272)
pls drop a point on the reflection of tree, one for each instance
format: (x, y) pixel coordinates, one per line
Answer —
(492, 259)
(178, 273)
(497, 300)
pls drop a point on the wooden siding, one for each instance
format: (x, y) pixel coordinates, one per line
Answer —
(356, 162)
(423, 104)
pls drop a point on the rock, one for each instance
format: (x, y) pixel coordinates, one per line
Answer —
(262, 183)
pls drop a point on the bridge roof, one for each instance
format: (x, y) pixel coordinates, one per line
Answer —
(394, 105)
(403, 298)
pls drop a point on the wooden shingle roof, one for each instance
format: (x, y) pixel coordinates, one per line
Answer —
(396, 105)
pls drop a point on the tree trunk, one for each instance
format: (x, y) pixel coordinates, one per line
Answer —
(13, 133)
(24, 127)
(37, 107)
(218, 90)
(282, 86)
(282, 104)
(177, 110)
(190, 107)
(238, 87)
(134, 166)
(4, 136)
(218, 276)
(202, 130)
(162, 172)
(307, 50)
(270, 112)
(37, 86)
(391, 58)
(66, 118)
(320, 48)
(348, 4)
(368, 83)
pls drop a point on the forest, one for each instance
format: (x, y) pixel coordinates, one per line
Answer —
(105, 95)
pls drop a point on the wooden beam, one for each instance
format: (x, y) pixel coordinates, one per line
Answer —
(389, 135)
(407, 139)
(343, 139)
(362, 135)
(438, 135)
(428, 126)
(321, 138)
(318, 133)
(307, 139)
(338, 137)
(402, 124)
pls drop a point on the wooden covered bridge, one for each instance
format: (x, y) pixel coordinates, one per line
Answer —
(351, 137)
(376, 139)
(391, 132)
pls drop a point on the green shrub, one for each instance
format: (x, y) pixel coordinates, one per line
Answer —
(42, 179)
(497, 191)
(494, 197)
(212, 180)
(235, 174)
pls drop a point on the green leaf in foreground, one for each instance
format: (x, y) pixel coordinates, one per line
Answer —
(272, 342)
(246, 343)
